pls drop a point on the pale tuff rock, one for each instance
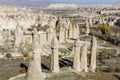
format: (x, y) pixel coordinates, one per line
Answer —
(87, 28)
(76, 62)
(50, 34)
(84, 58)
(55, 56)
(5, 34)
(35, 31)
(37, 53)
(52, 21)
(111, 23)
(90, 21)
(66, 28)
(62, 6)
(23, 39)
(75, 31)
(61, 22)
(35, 35)
(60, 19)
(55, 43)
(100, 20)
(93, 55)
(20, 37)
(68, 23)
(62, 34)
(33, 72)
(70, 31)
(19, 30)
(66, 33)
(1, 35)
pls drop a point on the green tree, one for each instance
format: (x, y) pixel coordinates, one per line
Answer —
(38, 27)
(105, 29)
(72, 21)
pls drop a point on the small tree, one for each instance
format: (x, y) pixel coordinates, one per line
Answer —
(72, 21)
(31, 28)
(8, 55)
(38, 27)
(105, 29)
(57, 29)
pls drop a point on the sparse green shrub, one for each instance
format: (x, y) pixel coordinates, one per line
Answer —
(103, 69)
(57, 29)
(97, 70)
(38, 27)
(47, 57)
(25, 49)
(63, 50)
(117, 69)
(25, 53)
(114, 39)
(72, 21)
(60, 56)
(8, 55)
(30, 29)
(105, 29)
(12, 33)
(104, 54)
(108, 69)
(111, 69)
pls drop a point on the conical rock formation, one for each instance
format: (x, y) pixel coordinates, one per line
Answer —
(33, 72)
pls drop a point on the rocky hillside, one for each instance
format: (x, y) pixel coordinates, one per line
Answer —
(38, 4)
(62, 6)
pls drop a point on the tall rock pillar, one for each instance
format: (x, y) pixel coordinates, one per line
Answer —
(34, 70)
(55, 55)
(70, 32)
(84, 58)
(87, 28)
(93, 55)
(62, 34)
(50, 34)
(76, 62)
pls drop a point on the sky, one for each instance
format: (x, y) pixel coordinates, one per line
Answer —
(84, 1)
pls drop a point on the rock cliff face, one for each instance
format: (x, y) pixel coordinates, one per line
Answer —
(62, 6)
(39, 4)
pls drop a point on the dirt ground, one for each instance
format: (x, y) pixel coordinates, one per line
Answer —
(11, 68)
